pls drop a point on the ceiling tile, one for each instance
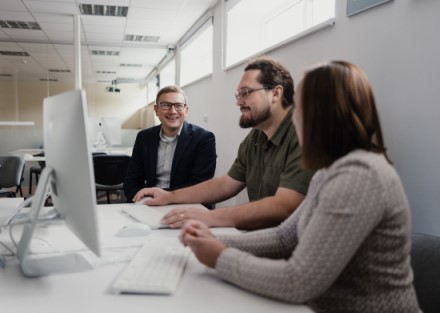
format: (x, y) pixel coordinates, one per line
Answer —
(59, 7)
(167, 19)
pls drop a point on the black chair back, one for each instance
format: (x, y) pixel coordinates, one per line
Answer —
(11, 174)
(110, 172)
(425, 261)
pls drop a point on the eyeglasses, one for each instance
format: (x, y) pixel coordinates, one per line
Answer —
(246, 92)
(167, 106)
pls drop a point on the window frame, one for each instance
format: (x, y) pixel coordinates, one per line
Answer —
(307, 32)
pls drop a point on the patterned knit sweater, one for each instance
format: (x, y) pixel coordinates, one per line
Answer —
(345, 249)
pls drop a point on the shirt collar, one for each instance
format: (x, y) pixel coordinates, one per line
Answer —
(282, 129)
(169, 139)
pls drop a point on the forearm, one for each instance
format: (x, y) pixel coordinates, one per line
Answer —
(267, 212)
(211, 191)
(263, 243)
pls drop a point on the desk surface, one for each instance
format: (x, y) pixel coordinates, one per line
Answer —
(200, 290)
(28, 154)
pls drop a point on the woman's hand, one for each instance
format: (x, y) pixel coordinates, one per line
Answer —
(202, 242)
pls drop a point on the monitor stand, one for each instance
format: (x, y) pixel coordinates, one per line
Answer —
(42, 265)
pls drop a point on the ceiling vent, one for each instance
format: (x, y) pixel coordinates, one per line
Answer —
(103, 10)
(48, 79)
(103, 52)
(15, 53)
(19, 24)
(140, 38)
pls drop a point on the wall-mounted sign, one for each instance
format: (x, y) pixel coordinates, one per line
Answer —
(357, 6)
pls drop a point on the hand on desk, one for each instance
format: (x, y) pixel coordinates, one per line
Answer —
(156, 196)
(177, 217)
(202, 242)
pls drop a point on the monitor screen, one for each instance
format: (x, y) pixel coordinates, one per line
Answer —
(68, 174)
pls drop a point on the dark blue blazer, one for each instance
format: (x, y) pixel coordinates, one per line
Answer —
(194, 159)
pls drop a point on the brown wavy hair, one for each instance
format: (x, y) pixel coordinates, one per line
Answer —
(272, 74)
(339, 114)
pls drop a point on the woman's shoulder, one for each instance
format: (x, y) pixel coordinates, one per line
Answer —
(366, 162)
(363, 158)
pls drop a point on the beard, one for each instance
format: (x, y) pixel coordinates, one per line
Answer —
(246, 122)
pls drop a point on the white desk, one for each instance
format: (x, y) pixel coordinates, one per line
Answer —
(200, 290)
(28, 154)
(7, 207)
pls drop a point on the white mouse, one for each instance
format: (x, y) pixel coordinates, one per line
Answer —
(28, 156)
(134, 229)
(140, 202)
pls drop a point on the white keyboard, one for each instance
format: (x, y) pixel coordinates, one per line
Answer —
(146, 215)
(156, 269)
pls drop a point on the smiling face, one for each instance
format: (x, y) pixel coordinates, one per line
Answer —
(255, 107)
(171, 119)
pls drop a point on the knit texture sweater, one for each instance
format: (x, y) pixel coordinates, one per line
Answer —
(345, 249)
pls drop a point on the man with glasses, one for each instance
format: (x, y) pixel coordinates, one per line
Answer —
(172, 155)
(268, 162)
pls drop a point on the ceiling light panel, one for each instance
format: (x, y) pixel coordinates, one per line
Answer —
(104, 52)
(103, 10)
(19, 24)
(15, 53)
(54, 70)
(141, 38)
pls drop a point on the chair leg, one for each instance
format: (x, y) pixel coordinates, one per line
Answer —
(108, 197)
(30, 184)
(17, 190)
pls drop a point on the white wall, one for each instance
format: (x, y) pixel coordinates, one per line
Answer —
(398, 46)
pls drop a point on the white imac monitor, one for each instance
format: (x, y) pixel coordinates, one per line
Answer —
(70, 178)
(105, 132)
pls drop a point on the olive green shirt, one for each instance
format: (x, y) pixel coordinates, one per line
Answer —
(264, 165)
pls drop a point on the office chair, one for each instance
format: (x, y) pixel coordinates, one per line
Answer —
(36, 170)
(11, 175)
(109, 173)
(425, 261)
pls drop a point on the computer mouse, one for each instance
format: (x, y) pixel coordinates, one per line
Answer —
(28, 156)
(141, 202)
(134, 229)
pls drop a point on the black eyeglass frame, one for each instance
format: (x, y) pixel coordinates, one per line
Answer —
(247, 91)
(166, 106)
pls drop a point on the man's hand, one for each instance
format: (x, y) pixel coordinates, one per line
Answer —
(178, 216)
(156, 196)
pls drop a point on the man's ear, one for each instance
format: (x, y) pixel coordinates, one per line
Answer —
(278, 93)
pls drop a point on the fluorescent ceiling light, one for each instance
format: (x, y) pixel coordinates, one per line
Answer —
(103, 10)
(15, 53)
(19, 24)
(141, 38)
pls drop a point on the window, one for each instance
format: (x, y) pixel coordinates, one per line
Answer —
(255, 26)
(196, 55)
(168, 74)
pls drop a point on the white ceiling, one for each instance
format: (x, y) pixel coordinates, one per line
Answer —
(51, 48)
